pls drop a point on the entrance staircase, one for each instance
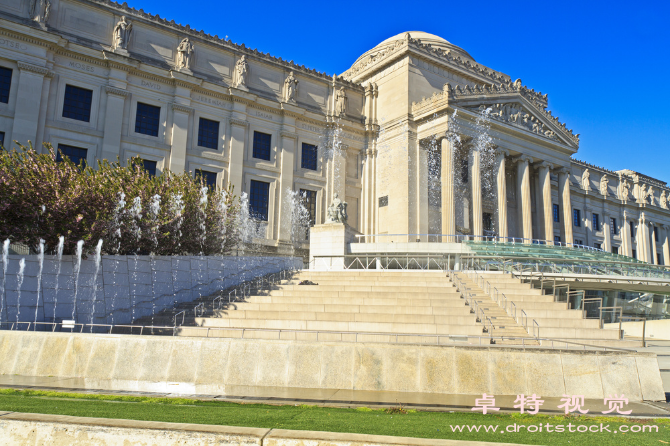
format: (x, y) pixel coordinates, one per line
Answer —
(389, 306)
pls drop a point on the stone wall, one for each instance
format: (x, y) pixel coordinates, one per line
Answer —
(212, 366)
(125, 288)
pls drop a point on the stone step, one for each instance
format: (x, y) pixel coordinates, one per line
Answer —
(370, 327)
(317, 291)
(567, 323)
(351, 317)
(356, 301)
(459, 310)
(405, 275)
(577, 333)
(388, 283)
(554, 313)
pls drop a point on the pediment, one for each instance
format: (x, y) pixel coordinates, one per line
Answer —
(519, 116)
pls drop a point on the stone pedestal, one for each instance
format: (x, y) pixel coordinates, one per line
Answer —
(328, 244)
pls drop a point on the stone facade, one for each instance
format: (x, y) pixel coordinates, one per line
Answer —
(406, 114)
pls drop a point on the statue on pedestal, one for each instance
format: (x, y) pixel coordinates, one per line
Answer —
(337, 211)
(603, 185)
(341, 102)
(39, 10)
(290, 88)
(121, 36)
(586, 181)
(241, 68)
(185, 51)
(625, 190)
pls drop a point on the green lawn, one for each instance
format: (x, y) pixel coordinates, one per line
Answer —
(361, 420)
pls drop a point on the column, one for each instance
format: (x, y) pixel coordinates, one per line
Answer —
(288, 140)
(564, 197)
(626, 242)
(180, 115)
(476, 185)
(643, 240)
(652, 240)
(523, 198)
(28, 100)
(422, 193)
(666, 245)
(547, 205)
(447, 180)
(111, 142)
(607, 233)
(502, 192)
(238, 130)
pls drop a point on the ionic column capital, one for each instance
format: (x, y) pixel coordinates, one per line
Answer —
(523, 159)
(544, 165)
(501, 153)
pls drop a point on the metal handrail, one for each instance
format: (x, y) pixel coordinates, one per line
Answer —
(535, 324)
(200, 306)
(183, 316)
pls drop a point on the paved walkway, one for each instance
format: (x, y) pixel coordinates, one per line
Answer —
(333, 398)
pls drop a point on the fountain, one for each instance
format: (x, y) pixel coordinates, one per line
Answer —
(97, 259)
(77, 268)
(59, 255)
(22, 267)
(40, 258)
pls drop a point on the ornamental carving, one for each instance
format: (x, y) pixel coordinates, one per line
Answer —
(518, 116)
(121, 35)
(649, 196)
(39, 10)
(185, 52)
(290, 88)
(604, 185)
(663, 202)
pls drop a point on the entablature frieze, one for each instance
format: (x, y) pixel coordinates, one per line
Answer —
(44, 71)
(181, 108)
(117, 92)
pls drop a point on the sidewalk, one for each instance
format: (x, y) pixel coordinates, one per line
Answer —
(18, 429)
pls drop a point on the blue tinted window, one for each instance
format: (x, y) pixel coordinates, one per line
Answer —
(77, 103)
(309, 201)
(208, 133)
(309, 156)
(5, 83)
(556, 213)
(147, 119)
(258, 200)
(577, 217)
(150, 167)
(209, 178)
(2, 139)
(262, 146)
(76, 154)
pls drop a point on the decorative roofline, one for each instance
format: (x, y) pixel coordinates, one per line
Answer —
(216, 40)
(415, 44)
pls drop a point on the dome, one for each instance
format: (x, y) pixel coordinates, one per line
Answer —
(426, 38)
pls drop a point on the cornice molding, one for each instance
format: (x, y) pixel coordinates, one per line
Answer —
(181, 108)
(44, 71)
(240, 122)
(117, 92)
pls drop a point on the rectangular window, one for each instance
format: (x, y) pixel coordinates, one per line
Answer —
(615, 250)
(556, 214)
(2, 140)
(557, 239)
(150, 167)
(655, 233)
(596, 222)
(77, 103)
(577, 217)
(208, 133)
(578, 242)
(487, 221)
(259, 198)
(309, 156)
(659, 259)
(147, 119)
(614, 230)
(634, 254)
(5, 83)
(632, 229)
(76, 154)
(598, 246)
(309, 201)
(262, 146)
(209, 178)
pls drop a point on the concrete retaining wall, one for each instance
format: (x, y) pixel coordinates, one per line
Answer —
(124, 283)
(19, 429)
(208, 365)
(654, 330)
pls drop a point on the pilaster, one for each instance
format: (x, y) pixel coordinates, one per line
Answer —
(111, 142)
(238, 131)
(180, 117)
(288, 142)
(28, 102)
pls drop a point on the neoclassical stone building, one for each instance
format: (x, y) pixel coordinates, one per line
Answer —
(415, 154)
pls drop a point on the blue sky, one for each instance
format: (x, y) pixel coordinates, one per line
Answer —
(604, 64)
